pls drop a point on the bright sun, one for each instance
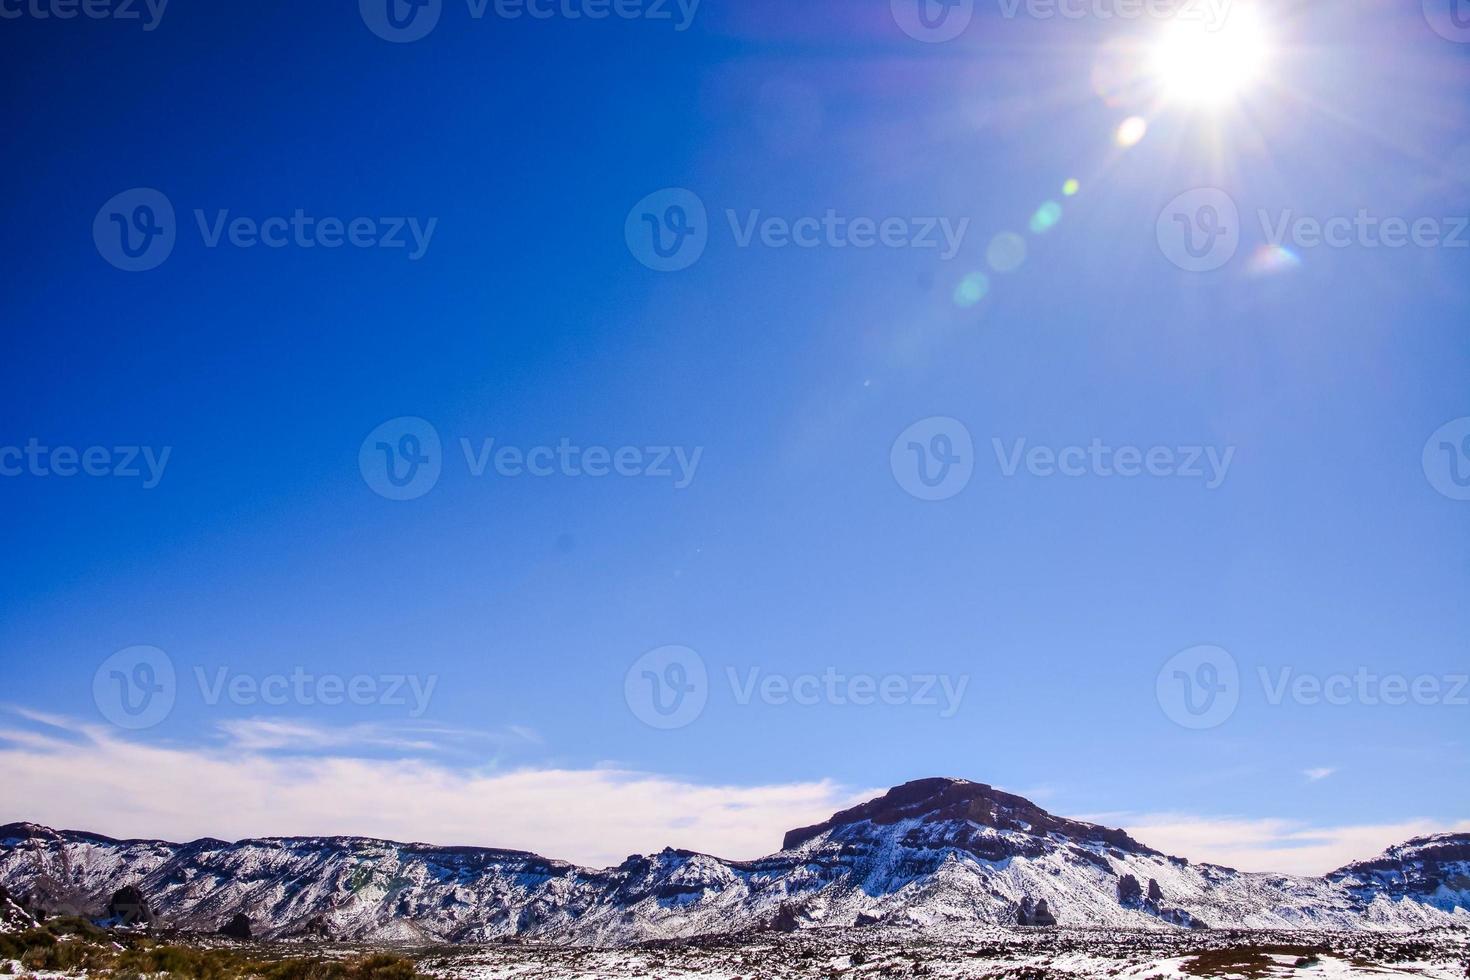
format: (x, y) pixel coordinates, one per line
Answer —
(1199, 63)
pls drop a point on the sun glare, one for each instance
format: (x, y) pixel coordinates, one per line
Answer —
(1200, 63)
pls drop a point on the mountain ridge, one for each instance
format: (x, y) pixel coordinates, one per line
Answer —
(930, 851)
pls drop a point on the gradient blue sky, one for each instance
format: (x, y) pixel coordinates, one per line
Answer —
(528, 320)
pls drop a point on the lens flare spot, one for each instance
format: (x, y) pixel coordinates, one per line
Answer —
(1131, 131)
(1273, 260)
(972, 289)
(1071, 187)
(1046, 218)
(1007, 252)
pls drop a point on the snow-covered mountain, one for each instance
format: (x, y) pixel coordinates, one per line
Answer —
(927, 852)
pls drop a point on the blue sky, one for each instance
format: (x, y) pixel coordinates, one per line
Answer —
(795, 548)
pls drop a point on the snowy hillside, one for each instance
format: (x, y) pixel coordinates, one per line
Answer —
(926, 853)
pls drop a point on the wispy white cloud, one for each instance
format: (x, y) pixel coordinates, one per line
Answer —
(90, 777)
(1318, 774)
(1271, 844)
(295, 735)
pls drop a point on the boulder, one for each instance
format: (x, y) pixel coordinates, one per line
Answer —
(237, 928)
(129, 907)
(786, 919)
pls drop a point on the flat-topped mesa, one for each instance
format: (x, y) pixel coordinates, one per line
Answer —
(940, 800)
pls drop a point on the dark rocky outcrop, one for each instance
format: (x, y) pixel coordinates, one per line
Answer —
(129, 907)
(13, 914)
(1130, 892)
(1155, 893)
(786, 919)
(314, 928)
(1034, 915)
(237, 928)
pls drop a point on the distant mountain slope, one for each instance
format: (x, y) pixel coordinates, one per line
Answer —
(930, 851)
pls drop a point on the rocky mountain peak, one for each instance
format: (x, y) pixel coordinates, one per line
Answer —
(947, 800)
(1434, 870)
